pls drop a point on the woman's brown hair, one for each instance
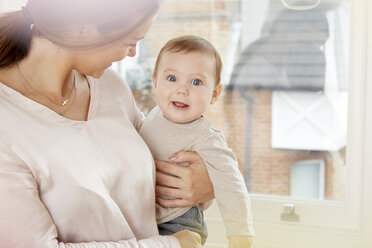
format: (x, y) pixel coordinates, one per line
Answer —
(55, 20)
(15, 38)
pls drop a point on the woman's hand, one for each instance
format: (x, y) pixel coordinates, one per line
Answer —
(191, 184)
(188, 239)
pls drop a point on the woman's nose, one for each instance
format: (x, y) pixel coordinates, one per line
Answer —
(132, 51)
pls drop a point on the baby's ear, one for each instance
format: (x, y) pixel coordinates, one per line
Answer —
(154, 81)
(216, 93)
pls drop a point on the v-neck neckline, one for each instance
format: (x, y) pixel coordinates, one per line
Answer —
(41, 111)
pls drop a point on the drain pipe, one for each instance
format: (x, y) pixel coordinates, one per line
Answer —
(250, 102)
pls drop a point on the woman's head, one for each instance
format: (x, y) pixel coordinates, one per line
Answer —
(72, 24)
(66, 22)
(94, 61)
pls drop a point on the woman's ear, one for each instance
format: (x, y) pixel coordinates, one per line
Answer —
(84, 31)
(216, 93)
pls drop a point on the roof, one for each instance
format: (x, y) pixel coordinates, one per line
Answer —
(288, 57)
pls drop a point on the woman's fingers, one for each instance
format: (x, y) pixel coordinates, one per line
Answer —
(190, 187)
(175, 203)
(167, 180)
(167, 191)
(169, 168)
(187, 195)
(185, 156)
(180, 197)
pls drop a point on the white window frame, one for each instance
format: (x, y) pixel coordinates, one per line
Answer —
(327, 224)
(336, 223)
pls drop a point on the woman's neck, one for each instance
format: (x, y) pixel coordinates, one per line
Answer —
(46, 70)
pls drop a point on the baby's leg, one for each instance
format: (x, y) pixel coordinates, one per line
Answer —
(192, 220)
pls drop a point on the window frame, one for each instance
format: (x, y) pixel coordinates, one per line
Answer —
(319, 216)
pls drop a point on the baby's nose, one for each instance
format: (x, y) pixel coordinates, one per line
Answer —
(182, 89)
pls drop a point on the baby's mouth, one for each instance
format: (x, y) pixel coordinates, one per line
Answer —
(179, 105)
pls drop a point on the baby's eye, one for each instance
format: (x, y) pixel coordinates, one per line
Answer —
(172, 78)
(196, 82)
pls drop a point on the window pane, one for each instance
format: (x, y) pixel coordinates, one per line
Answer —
(307, 179)
(285, 83)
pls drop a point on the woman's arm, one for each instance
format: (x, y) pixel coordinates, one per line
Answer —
(25, 222)
(191, 185)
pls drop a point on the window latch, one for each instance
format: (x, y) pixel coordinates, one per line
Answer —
(289, 213)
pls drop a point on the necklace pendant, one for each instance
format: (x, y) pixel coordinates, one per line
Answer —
(65, 102)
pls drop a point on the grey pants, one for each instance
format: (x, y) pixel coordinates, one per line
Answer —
(192, 220)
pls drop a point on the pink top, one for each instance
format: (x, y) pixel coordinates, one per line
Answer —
(66, 183)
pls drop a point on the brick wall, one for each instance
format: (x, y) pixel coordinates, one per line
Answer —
(208, 19)
(270, 169)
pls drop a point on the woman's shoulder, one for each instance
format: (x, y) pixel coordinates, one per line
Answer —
(111, 74)
(114, 92)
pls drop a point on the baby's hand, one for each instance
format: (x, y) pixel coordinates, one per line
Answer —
(240, 241)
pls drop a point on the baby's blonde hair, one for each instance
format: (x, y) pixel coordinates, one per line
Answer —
(191, 43)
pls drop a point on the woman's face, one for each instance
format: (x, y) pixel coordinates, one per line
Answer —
(93, 62)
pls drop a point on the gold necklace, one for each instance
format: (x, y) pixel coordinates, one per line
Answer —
(64, 102)
(73, 99)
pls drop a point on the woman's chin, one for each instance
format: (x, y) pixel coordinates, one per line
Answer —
(97, 74)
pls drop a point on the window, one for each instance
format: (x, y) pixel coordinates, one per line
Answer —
(285, 83)
(285, 100)
(307, 179)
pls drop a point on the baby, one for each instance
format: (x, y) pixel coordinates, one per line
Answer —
(186, 81)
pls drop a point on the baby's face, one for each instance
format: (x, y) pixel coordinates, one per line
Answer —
(185, 85)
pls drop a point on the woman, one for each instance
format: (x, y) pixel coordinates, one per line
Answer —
(73, 170)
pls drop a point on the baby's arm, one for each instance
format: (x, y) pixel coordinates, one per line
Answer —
(240, 241)
(229, 187)
(206, 205)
